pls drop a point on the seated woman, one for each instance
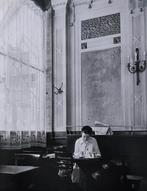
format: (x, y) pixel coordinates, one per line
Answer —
(85, 147)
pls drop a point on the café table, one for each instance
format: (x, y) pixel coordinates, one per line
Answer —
(17, 176)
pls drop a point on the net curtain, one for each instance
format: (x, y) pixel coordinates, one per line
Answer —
(22, 76)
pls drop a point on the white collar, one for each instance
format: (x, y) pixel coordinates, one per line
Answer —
(84, 142)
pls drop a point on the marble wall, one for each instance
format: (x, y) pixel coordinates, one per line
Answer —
(91, 61)
(101, 86)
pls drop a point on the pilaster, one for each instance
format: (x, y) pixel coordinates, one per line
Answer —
(59, 61)
(48, 60)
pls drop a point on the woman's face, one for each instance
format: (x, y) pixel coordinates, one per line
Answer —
(85, 136)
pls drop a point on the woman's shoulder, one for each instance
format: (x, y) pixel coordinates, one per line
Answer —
(92, 139)
(79, 140)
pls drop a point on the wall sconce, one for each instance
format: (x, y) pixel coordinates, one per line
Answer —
(138, 66)
(59, 90)
(109, 1)
(90, 4)
(140, 5)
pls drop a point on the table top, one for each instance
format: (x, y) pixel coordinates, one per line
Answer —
(87, 159)
(88, 162)
(14, 170)
(28, 154)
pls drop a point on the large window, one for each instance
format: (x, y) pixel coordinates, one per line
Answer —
(22, 76)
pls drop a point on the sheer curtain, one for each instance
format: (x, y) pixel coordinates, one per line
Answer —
(22, 76)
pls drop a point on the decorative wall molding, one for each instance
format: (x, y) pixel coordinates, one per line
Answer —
(137, 5)
(22, 139)
(37, 10)
(58, 3)
(82, 2)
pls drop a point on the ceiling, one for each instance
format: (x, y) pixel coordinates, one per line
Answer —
(43, 4)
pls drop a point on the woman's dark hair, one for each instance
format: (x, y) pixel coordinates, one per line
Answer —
(87, 129)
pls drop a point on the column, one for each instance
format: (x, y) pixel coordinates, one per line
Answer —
(59, 62)
(48, 60)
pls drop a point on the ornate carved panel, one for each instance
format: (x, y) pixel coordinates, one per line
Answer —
(101, 26)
